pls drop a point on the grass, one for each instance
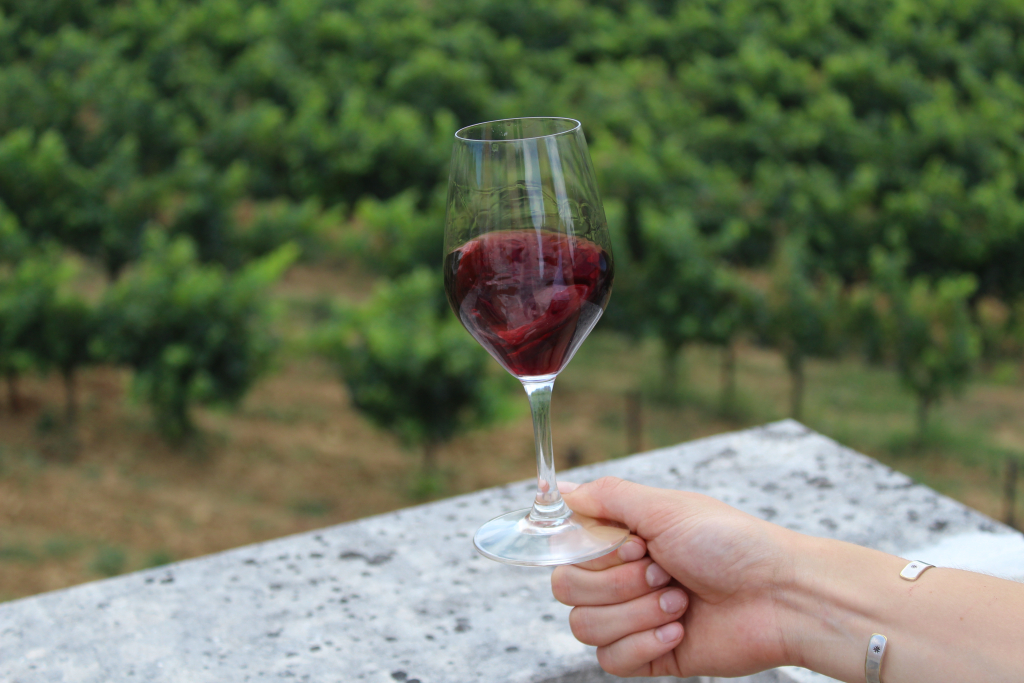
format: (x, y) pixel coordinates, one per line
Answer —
(311, 507)
(296, 456)
(17, 552)
(158, 558)
(109, 561)
(62, 547)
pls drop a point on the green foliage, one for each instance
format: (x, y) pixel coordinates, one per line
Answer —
(28, 294)
(246, 125)
(43, 186)
(62, 547)
(804, 316)
(17, 552)
(862, 323)
(158, 558)
(394, 236)
(680, 291)
(70, 330)
(1015, 326)
(262, 227)
(193, 333)
(409, 365)
(109, 561)
(995, 321)
(311, 507)
(854, 122)
(70, 327)
(14, 243)
(929, 328)
(43, 325)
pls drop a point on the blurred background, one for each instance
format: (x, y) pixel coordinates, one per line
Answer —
(221, 316)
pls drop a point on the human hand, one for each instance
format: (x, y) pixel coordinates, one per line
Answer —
(729, 564)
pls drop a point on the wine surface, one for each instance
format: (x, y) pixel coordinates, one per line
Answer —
(529, 297)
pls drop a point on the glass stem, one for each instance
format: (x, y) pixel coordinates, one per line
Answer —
(548, 507)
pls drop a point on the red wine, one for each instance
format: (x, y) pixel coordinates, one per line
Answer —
(529, 297)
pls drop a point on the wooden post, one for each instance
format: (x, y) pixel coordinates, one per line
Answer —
(429, 457)
(728, 398)
(634, 422)
(1010, 492)
(13, 397)
(573, 457)
(70, 399)
(796, 392)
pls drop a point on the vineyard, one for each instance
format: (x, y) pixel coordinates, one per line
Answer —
(220, 250)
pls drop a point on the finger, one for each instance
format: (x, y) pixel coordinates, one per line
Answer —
(623, 501)
(632, 655)
(574, 586)
(632, 550)
(605, 625)
(567, 486)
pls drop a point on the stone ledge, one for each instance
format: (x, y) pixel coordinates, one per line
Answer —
(404, 597)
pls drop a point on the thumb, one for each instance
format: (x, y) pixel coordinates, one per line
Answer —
(637, 506)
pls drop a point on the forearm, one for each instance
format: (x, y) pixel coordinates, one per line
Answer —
(949, 625)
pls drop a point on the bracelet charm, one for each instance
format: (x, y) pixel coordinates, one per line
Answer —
(873, 659)
(915, 569)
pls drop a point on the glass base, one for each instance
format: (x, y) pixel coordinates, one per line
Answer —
(513, 538)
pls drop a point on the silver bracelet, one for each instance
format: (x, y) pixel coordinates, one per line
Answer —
(877, 643)
(873, 659)
(914, 570)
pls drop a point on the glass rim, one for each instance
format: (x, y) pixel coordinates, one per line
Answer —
(577, 126)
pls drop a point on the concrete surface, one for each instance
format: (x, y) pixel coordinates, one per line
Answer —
(404, 596)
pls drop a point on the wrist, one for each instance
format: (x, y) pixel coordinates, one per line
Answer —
(830, 601)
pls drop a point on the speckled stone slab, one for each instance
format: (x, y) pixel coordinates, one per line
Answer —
(404, 597)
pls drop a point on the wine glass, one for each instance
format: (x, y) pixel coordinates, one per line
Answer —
(528, 270)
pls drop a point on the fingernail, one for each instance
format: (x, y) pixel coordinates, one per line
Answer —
(631, 551)
(567, 487)
(672, 601)
(656, 576)
(669, 632)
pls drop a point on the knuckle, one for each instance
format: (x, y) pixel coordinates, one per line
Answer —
(561, 585)
(629, 581)
(621, 583)
(609, 483)
(581, 624)
(608, 662)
